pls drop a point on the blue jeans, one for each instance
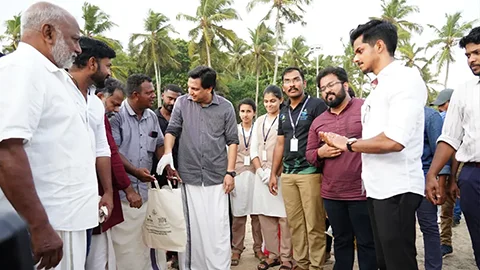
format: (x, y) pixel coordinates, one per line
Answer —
(427, 218)
(457, 211)
(350, 219)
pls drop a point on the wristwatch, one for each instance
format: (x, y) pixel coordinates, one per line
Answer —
(232, 173)
(350, 142)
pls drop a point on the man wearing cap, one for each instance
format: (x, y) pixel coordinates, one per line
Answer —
(447, 209)
(460, 137)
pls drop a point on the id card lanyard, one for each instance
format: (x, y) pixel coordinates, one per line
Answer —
(265, 137)
(246, 160)
(294, 140)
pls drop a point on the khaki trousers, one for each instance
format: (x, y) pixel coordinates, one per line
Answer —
(270, 235)
(446, 218)
(306, 218)
(238, 234)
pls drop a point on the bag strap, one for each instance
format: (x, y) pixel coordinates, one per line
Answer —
(155, 184)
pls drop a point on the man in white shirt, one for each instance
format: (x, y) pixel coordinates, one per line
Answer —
(461, 137)
(392, 144)
(47, 166)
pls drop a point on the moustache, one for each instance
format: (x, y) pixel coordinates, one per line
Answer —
(292, 88)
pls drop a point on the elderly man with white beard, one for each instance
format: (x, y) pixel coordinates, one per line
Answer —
(47, 165)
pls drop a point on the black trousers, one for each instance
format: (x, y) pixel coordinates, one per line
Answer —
(350, 220)
(393, 225)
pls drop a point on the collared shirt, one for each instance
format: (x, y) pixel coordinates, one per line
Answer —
(296, 162)
(137, 141)
(390, 174)
(42, 105)
(433, 129)
(341, 175)
(461, 129)
(205, 132)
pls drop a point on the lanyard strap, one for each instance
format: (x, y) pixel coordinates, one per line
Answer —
(249, 137)
(265, 136)
(298, 117)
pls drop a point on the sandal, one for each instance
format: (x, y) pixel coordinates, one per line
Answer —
(235, 261)
(265, 265)
(260, 257)
(286, 267)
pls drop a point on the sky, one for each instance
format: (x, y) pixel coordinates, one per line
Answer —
(328, 22)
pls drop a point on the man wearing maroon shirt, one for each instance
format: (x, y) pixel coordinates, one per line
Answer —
(344, 197)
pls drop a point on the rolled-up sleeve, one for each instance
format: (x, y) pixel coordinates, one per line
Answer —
(402, 123)
(452, 131)
(176, 120)
(21, 104)
(231, 130)
(116, 123)
(312, 146)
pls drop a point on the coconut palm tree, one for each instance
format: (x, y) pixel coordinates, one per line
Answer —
(96, 24)
(208, 19)
(286, 11)
(410, 54)
(357, 80)
(396, 12)
(156, 47)
(297, 53)
(237, 62)
(261, 57)
(12, 33)
(448, 36)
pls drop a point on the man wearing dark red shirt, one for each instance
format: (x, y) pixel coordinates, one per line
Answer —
(342, 191)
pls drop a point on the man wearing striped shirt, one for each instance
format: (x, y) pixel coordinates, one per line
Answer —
(460, 136)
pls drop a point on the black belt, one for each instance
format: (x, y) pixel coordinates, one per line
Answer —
(472, 164)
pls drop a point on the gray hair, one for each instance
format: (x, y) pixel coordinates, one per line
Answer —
(42, 13)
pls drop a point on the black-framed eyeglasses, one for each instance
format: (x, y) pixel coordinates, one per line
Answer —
(329, 86)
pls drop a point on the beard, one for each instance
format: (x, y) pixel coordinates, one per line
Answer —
(168, 107)
(337, 100)
(99, 79)
(61, 53)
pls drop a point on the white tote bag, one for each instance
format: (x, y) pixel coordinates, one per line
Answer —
(164, 226)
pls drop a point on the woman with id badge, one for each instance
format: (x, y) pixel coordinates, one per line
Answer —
(270, 206)
(242, 196)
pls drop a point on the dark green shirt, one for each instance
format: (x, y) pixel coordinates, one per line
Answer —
(296, 162)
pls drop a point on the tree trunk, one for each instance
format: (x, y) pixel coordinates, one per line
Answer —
(258, 84)
(157, 81)
(277, 41)
(446, 74)
(208, 53)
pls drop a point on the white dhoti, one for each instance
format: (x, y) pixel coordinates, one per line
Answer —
(74, 250)
(102, 255)
(208, 228)
(130, 251)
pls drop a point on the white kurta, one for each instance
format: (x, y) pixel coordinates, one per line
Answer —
(208, 228)
(242, 198)
(264, 203)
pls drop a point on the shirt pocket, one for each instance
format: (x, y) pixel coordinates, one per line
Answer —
(151, 144)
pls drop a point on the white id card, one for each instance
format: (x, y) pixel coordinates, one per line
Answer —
(264, 155)
(246, 160)
(294, 145)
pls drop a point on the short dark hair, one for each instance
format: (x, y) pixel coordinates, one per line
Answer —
(290, 69)
(92, 48)
(339, 72)
(111, 85)
(351, 92)
(375, 30)
(472, 37)
(248, 101)
(173, 87)
(207, 76)
(134, 82)
(275, 90)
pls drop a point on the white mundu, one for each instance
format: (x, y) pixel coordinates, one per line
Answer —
(41, 105)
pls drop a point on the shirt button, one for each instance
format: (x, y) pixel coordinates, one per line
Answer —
(141, 147)
(203, 168)
(141, 135)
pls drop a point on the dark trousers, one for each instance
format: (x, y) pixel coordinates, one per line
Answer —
(427, 219)
(349, 220)
(15, 251)
(469, 184)
(329, 239)
(393, 225)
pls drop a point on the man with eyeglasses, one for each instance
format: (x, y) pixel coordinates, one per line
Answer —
(342, 191)
(300, 181)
